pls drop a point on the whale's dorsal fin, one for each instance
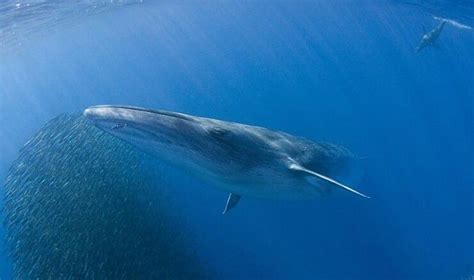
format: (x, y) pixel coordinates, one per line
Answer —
(232, 201)
(297, 167)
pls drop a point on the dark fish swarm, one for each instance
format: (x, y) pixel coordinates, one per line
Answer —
(80, 204)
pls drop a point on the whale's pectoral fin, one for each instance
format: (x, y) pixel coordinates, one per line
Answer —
(297, 167)
(232, 201)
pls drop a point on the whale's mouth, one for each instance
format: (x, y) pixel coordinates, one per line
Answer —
(153, 129)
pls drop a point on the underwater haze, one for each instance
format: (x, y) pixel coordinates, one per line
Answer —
(345, 72)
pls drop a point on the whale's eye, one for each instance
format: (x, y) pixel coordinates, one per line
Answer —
(119, 126)
(218, 131)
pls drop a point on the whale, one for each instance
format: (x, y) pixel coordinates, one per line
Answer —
(243, 160)
(429, 38)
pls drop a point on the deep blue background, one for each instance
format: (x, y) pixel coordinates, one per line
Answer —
(344, 72)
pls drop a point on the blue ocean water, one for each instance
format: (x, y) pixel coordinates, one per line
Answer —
(340, 71)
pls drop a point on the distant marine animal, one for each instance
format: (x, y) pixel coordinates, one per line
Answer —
(430, 38)
(241, 159)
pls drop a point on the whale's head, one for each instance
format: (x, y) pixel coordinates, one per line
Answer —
(179, 138)
(154, 131)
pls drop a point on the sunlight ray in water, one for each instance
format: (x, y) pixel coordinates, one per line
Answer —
(341, 72)
(22, 19)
